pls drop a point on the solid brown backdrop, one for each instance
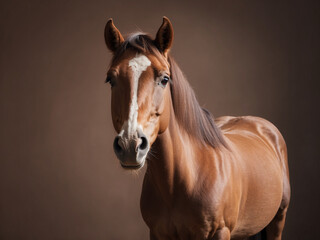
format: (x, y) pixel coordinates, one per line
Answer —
(59, 178)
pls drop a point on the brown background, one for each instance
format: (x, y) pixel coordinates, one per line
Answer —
(59, 178)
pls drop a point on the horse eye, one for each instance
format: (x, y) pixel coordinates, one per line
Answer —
(165, 80)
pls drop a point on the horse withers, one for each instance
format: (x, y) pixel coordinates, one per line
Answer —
(206, 179)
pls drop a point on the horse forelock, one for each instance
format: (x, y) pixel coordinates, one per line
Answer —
(139, 42)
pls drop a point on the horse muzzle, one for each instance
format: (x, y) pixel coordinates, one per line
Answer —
(131, 150)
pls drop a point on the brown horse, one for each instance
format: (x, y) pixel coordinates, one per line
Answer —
(206, 179)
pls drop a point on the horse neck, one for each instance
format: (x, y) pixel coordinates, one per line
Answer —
(174, 162)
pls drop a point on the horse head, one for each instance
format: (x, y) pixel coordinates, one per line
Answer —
(139, 76)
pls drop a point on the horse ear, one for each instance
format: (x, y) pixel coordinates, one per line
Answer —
(164, 36)
(112, 36)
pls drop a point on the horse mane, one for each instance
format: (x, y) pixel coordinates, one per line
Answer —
(197, 121)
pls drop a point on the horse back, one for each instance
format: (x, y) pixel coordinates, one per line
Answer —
(253, 130)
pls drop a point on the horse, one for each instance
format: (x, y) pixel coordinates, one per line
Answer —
(206, 178)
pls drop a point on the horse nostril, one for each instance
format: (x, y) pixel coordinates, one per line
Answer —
(144, 143)
(116, 146)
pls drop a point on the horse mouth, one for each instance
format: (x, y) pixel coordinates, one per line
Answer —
(132, 167)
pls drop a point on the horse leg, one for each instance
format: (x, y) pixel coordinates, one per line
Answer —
(275, 227)
(222, 234)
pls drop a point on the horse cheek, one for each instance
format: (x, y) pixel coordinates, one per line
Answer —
(165, 116)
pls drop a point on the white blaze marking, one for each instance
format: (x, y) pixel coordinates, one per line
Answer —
(138, 64)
